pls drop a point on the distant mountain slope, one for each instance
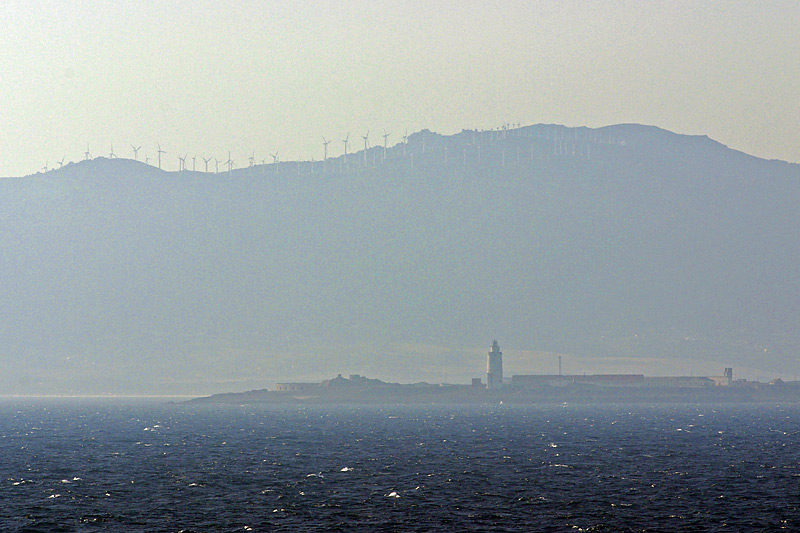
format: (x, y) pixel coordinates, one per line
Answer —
(625, 241)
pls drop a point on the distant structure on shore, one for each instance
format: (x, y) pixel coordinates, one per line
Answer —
(494, 367)
(536, 388)
(519, 385)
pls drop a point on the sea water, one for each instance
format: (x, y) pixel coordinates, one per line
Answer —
(145, 466)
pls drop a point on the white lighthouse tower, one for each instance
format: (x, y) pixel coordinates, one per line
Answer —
(494, 367)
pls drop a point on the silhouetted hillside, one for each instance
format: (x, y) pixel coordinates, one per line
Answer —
(625, 241)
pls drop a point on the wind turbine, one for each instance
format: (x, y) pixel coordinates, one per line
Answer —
(253, 159)
(385, 137)
(135, 152)
(182, 162)
(366, 143)
(61, 163)
(86, 154)
(111, 155)
(229, 162)
(216, 162)
(160, 151)
(274, 157)
(44, 168)
(405, 142)
(206, 161)
(194, 163)
(345, 144)
(325, 143)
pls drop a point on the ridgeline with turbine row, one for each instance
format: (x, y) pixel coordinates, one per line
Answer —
(565, 141)
(625, 245)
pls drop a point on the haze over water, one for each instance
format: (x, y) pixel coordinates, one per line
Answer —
(116, 279)
(213, 197)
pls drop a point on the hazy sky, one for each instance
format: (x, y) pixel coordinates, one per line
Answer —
(206, 77)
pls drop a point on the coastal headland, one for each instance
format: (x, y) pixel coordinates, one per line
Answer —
(523, 389)
(546, 390)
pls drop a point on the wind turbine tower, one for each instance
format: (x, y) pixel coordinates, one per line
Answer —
(275, 161)
(111, 155)
(86, 154)
(345, 149)
(135, 152)
(325, 143)
(366, 144)
(160, 151)
(385, 138)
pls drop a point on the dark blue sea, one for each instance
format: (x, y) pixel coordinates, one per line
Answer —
(115, 465)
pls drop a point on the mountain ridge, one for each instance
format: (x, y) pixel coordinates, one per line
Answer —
(628, 129)
(624, 245)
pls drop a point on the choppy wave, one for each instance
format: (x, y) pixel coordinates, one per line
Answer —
(96, 467)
